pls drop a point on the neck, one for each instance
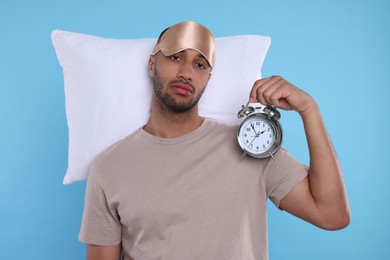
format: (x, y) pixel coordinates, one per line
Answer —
(168, 124)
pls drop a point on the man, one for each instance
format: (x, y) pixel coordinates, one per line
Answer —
(177, 189)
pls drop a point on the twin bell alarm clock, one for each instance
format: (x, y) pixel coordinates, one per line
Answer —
(260, 134)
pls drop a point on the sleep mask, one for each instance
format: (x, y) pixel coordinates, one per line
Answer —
(187, 35)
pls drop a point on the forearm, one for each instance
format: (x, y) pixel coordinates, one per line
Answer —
(325, 175)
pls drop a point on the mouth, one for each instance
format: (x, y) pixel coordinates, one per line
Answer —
(182, 88)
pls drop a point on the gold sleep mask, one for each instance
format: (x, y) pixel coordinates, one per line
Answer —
(187, 35)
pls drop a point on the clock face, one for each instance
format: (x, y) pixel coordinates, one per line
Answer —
(256, 135)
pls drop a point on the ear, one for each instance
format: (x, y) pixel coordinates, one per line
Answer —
(151, 65)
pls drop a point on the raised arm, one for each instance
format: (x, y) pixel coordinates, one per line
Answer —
(103, 252)
(321, 198)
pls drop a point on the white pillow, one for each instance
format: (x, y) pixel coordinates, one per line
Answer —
(108, 89)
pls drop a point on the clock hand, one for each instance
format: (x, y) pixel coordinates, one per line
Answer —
(257, 135)
(253, 127)
(253, 140)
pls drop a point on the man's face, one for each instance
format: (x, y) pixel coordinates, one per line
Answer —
(180, 79)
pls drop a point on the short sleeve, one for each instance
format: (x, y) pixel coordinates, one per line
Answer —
(100, 224)
(282, 175)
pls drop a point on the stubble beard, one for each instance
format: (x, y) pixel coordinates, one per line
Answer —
(166, 101)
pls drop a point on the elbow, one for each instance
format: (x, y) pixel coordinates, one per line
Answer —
(341, 221)
(338, 225)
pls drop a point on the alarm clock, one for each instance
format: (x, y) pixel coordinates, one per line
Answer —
(260, 134)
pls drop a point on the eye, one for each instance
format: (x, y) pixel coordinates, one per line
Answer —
(175, 57)
(201, 66)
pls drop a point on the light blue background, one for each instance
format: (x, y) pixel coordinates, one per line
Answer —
(336, 50)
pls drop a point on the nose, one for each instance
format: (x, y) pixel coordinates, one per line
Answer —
(185, 71)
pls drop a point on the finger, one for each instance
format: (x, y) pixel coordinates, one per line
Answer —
(279, 97)
(258, 84)
(266, 90)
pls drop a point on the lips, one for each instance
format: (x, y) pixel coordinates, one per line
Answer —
(182, 88)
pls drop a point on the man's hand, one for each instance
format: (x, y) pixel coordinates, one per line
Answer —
(282, 94)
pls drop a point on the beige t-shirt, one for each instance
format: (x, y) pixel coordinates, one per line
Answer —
(190, 197)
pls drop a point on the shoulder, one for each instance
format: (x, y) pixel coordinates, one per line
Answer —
(283, 158)
(212, 126)
(113, 151)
